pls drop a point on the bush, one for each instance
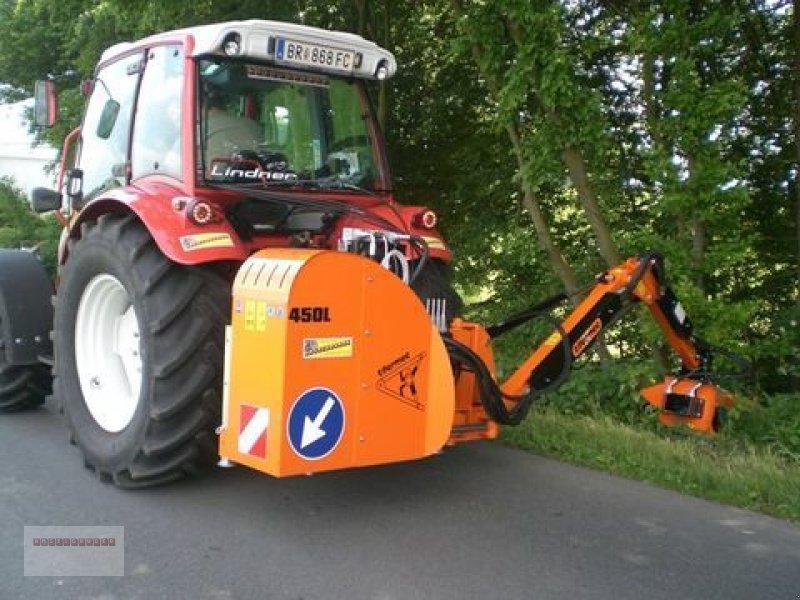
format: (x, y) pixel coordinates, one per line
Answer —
(21, 228)
(775, 422)
(611, 389)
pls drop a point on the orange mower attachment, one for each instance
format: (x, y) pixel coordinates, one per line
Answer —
(689, 402)
(333, 362)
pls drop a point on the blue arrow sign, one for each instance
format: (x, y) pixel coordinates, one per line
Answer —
(316, 423)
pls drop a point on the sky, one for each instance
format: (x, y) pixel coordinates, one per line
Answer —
(19, 159)
(14, 136)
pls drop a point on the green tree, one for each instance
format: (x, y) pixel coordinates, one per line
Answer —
(552, 137)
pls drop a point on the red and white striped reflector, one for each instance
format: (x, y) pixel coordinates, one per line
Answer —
(253, 425)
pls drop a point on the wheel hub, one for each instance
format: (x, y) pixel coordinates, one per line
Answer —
(108, 353)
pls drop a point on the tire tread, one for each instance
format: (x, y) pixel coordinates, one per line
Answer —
(186, 308)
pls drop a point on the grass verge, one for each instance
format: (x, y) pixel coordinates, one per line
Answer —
(741, 475)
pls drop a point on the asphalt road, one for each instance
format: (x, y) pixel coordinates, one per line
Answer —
(479, 521)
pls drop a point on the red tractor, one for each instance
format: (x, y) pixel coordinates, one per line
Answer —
(245, 156)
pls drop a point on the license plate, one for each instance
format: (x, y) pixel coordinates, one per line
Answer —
(313, 55)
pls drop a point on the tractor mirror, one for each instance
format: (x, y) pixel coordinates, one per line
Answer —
(45, 107)
(107, 119)
(44, 200)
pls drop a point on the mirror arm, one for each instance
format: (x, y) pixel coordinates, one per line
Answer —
(66, 210)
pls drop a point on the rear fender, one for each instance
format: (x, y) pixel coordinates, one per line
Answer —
(162, 210)
(26, 309)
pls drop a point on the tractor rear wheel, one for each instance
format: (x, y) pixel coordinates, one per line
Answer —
(22, 387)
(434, 283)
(139, 355)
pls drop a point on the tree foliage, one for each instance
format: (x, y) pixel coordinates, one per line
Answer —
(545, 131)
(20, 228)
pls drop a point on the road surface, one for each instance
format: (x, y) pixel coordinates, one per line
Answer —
(479, 521)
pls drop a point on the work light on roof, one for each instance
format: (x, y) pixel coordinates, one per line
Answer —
(232, 44)
(382, 72)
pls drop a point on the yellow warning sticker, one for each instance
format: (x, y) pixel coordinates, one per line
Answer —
(435, 243)
(249, 315)
(201, 241)
(554, 339)
(332, 347)
(261, 316)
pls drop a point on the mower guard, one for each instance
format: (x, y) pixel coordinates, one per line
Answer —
(685, 401)
(331, 362)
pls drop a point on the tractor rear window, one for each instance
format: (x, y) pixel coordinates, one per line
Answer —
(279, 127)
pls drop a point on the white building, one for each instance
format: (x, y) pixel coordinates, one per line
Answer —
(25, 163)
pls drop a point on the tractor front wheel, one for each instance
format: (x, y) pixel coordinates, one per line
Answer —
(139, 353)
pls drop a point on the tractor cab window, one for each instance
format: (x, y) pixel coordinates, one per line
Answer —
(106, 127)
(278, 127)
(157, 130)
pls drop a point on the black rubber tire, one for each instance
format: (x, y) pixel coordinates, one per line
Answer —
(435, 282)
(22, 387)
(182, 311)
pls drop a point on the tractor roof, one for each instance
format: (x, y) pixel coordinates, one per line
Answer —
(257, 39)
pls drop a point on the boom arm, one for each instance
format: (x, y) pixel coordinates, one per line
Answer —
(689, 398)
(612, 296)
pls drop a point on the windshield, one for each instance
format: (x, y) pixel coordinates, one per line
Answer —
(261, 124)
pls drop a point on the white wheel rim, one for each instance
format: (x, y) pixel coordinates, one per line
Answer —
(108, 353)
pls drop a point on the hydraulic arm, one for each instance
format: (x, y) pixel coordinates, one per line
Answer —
(690, 397)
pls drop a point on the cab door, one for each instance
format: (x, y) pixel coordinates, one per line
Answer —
(104, 155)
(157, 147)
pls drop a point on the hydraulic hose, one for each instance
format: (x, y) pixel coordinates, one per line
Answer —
(425, 251)
(492, 397)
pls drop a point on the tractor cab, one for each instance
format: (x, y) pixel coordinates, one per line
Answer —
(225, 139)
(253, 101)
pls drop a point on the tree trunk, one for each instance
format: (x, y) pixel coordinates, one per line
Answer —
(652, 117)
(534, 209)
(530, 202)
(699, 242)
(383, 90)
(651, 111)
(576, 165)
(578, 172)
(796, 73)
(699, 235)
(361, 9)
(543, 235)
